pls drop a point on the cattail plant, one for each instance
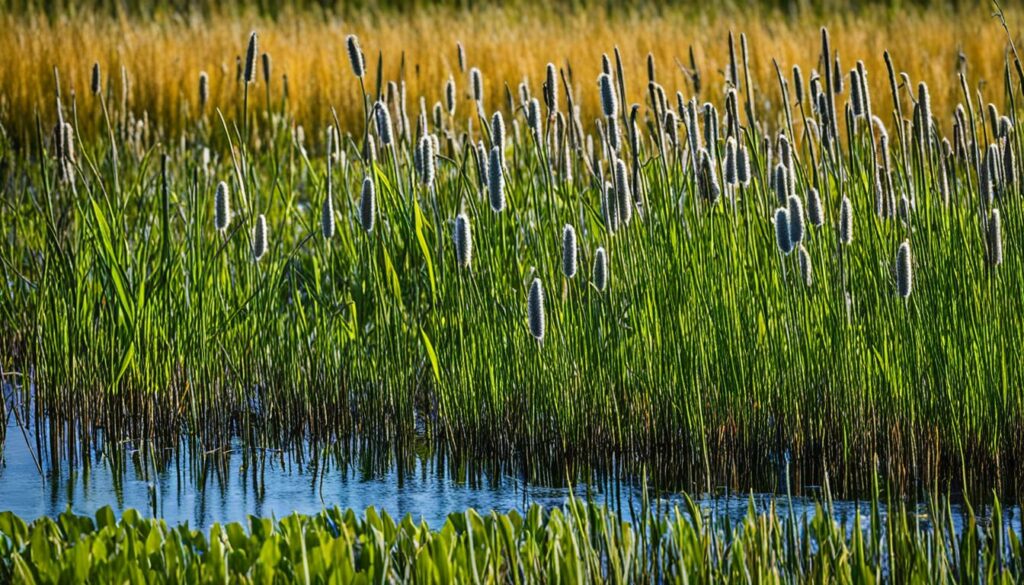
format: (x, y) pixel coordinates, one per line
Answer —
(426, 161)
(355, 56)
(796, 220)
(249, 74)
(779, 182)
(600, 276)
(904, 270)
(535, 309)
(798, 84)
(222, 207)
(815, 213)
(806, 269)
(265, 60)
(449, 95)
(609, 101)
(995, 238)
(476, 82)
(622, 194)
(95, 84)
(782, 236)
(383, 117)
(743, 165)
(731, 178)
(368, 205)
(846, 221)
(498, 132)
(204, 89)
(463, 241)
(569, 251)
(496, 181)
(259, 238)
(533, 118)
(550, 89)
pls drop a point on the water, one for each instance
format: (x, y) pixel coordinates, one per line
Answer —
(428, 492)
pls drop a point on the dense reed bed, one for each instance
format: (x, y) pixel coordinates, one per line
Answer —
(712, 292)
(578, 543)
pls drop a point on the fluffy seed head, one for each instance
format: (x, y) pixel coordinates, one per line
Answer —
(368, 205)
(569, 251)
(625, 203)
(426, 160)
(796, 220)
(533, 116)
(498, 131)
(496, 181)
(327, 217)
(222, 207)
(551, 89)
(535, 309)
(265, 59)
(846, 221)
(600, 269)
(609, 103)
(462, 56)
(779, 182)
(742, 165)
(815, 213)
(806, 269)
(383, 123)
(355, 56)
(782, 239)
(730, 162)
(250, 59)
(449, 95)
(477, 82)
(259, 237)
(904, 270)
(463, 241)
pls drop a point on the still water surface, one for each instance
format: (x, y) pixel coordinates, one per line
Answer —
(429, 492)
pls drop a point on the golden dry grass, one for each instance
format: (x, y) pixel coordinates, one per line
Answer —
(163, 58)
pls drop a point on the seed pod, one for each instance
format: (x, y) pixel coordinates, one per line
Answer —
(806, 269)
(449, 95)
(327, 217)
(368, 205)
(496, 181)
(355, 56)
(995, 239)
(463, 241)
(265, 58)
(95, 82)
(259, 238)
(600, 277)
(609, 102)
(476, 81)
(250, 60)
(221, 207)
(743, 165)
(796, 220)
(904, 270)
(625, 200)
(815, 213)
(782, 239)
(498, 132)
(535, 309)
(846, 221)
(569, 251)
(204, 89)
(383, 123)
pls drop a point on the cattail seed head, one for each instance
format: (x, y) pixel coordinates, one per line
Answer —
(449, 95)
(609, 102)
(368, 205)
(426, 160)
(798, 84)
(259, 237)
(355, 56)
(625, 203)
(806, 269)
(730, 162)
(221, 207)
(904, 270)
(477, 82)
(95, 84)
(551, 89)
(204, 89)
(815, 213)
(743, 165)
(569, 251)
(498, 132)
(995, 239)
(327, 217)
(782, 238)
(600, 276)
(265, 58)
(383, 123)
(796, 220)
(496, 181)
(779, 182)
(925, 101)
(481, 165)
(535, 309)
(463, 241)
(533, 117)
(461, 52)
(846, 221)
(250, 59)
